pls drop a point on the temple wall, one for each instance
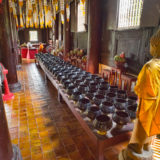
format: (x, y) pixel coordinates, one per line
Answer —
(24, 35)
(135, 42)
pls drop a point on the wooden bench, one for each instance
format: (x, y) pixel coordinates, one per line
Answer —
(128, 80)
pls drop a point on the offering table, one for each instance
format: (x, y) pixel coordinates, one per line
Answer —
(113, 136)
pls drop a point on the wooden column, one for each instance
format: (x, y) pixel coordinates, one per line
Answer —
(14, 38)
(7, 49)
(47, 35)
(66, 34)
(94, 35)
(6, 152)
(56, 26)
(60, 30)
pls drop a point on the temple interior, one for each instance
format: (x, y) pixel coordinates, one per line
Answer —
(70, 72)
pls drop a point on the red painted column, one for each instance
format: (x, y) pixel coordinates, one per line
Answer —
(8, 57)
(94, 35)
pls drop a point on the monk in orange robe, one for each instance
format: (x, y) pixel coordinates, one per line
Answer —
(40, 47)
(147, 123)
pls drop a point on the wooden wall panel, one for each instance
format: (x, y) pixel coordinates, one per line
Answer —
(24, 35)
(135, 42)
(82, 40)
(73, 17)
(150, 13)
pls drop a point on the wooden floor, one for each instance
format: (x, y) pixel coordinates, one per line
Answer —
(43, 128)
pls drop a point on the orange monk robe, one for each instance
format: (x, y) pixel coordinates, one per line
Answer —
(41, 47)
(148, 91)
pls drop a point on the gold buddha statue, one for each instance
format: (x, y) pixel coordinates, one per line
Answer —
(147, 123)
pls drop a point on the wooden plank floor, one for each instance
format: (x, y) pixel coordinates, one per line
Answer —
(43, 128)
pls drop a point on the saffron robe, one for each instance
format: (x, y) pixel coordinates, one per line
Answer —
(148, 90)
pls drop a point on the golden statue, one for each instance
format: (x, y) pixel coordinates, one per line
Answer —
(147, 123)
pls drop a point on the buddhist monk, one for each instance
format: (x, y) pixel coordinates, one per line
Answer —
(41, 47)
(147, 123)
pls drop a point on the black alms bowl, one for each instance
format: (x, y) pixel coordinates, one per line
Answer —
(121, 94)
(107, 107)
(83, 88)
(76, 95)
(120, 104)
(70, 89)
(111, 96)
(102, 90)
(93, 112)
(91, 93)
(131, 109)
(104, 85)
(132, 100)
(84, 103)
(93, 85)
(113, 89)
(121, 117)
(98, 99)
(102, 123)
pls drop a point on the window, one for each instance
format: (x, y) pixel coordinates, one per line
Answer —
(130, 13)
(81, 18)
(33, 36)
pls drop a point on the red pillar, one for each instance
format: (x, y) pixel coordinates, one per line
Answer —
(94, 35)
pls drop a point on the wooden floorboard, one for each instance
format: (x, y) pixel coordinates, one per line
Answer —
(45, 129)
